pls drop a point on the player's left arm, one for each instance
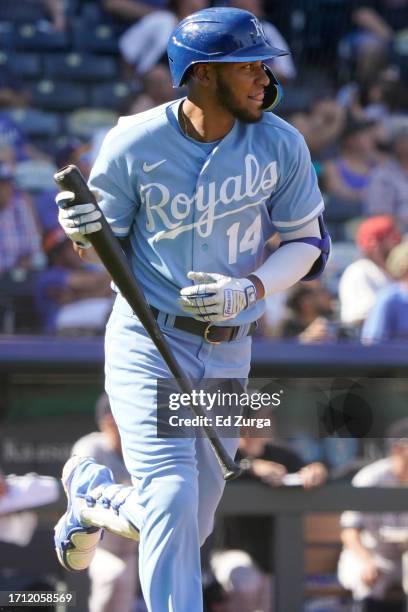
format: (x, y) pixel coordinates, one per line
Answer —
(302, 255)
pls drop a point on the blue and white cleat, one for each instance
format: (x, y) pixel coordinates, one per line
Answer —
(95, 502)
(75, 543)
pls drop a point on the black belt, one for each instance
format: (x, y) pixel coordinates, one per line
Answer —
(214, 334)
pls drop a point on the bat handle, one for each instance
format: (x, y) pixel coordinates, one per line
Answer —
(70, 178)
(231, 472)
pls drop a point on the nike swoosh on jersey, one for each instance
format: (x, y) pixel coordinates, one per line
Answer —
(149, 167)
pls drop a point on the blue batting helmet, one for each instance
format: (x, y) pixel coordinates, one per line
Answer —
(222, 35)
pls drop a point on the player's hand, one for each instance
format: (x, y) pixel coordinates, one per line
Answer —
(215, 297)
(79, 220)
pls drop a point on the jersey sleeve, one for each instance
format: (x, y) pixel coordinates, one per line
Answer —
(297, 199)
(112, 183)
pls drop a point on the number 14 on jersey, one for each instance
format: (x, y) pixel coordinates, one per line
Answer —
(239, 241)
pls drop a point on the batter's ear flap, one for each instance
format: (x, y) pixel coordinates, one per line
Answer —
(273, 93)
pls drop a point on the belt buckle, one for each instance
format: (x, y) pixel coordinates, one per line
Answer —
(206, 332)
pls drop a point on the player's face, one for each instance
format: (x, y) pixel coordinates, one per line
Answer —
(240, 89)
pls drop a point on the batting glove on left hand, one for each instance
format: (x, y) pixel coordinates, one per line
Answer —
(216, 297)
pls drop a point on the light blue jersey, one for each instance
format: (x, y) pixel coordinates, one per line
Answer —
(209, 207)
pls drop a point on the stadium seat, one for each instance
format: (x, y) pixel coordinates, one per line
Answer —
(85, 122)
(71, 7)
(80, 67)
(57, 95)
(35, 175)
(95, 38)
(35, 123)
(38, 37)
(92, 12)
(109, 95)
(7, 33)
(26, 65)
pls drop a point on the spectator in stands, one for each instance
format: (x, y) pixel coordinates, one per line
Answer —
(283, 67)
(12, 92)
(363, 279)
(69, 150)
(215, 598)
(370, 563)
(126, 11)
(378, 24)
(321, 126)
(34, 11)
(388, 318)
(384, 94)
(144, 44)
(242, 565)
(137, 103)
(20, 242)
(71, 296)
(113, 570)
(346, 178)
(388, 189)
(157, 85)
(14, 146)
(311, 312)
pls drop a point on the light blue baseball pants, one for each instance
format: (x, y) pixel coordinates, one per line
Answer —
(178, 481)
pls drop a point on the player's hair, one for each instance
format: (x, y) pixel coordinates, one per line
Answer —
(187, 78)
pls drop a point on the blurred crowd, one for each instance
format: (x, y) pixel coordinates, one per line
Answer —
(359, 559)
(69, 68)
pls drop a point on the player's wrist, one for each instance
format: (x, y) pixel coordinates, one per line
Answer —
(259, 286)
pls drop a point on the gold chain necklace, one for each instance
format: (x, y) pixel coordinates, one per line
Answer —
(185, 127)
(183, 121)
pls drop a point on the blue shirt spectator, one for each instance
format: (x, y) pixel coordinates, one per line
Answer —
(33, 11)
(66, 281)
(69, 150)
(12, 138)
(388, 319)
(20, 244)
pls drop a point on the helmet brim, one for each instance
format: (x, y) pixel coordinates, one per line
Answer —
(252, 54)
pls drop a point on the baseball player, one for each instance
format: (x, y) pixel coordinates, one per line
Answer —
(193, 188)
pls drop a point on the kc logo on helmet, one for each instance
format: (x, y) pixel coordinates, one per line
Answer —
(258, 28)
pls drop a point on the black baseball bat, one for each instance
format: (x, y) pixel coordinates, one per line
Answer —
(110, 252)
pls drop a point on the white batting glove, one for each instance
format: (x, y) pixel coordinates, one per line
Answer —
(216, 297)
(79, 220)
